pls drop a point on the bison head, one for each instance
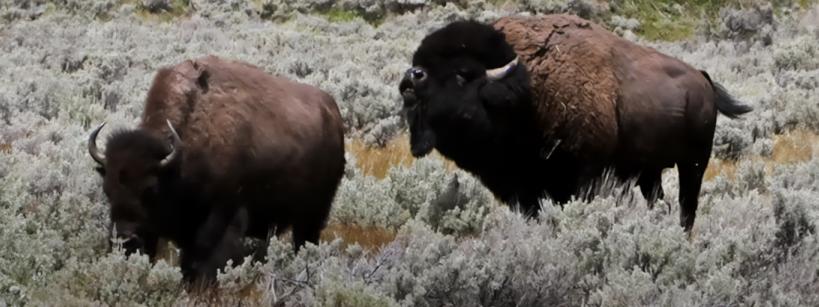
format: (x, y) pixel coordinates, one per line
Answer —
(135, 168)
(464, 87)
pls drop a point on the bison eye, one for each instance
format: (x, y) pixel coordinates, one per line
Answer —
(418, 74)
(460, 79)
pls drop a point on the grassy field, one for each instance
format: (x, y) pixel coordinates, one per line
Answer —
(406, 231)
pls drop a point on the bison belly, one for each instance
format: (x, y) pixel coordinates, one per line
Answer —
(294, 192)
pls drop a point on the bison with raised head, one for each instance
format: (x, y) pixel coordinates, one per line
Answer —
(542, 106)
(248, 154)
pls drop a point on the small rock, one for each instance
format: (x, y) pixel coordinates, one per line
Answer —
(588, 8)
(155, 6)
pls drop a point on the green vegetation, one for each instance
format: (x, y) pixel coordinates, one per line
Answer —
(177, 9)
(336, 14)
(340, 15)
(673, 20)
(661, 20)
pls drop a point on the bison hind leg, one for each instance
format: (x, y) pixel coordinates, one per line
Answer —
(691, 174)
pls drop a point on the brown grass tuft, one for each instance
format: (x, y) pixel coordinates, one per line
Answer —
(718, 167)
(5, 148)
(370, 238)
(167, 250)
(794, 146)
(377, 161)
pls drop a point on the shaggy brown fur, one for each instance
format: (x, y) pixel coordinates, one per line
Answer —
(569, 60)
(259, 154)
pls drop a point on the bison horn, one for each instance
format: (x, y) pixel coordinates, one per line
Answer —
(92, 146)
(171, 157)
(500, 72)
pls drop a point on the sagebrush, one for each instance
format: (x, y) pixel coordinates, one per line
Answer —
(66, 66)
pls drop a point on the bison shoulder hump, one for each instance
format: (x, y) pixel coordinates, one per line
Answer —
(573, 77)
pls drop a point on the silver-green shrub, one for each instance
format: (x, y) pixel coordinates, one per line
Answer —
(67, 65)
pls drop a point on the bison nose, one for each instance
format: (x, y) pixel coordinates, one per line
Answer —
(413, 77)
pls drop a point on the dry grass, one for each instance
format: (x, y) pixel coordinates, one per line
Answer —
(795, 146)
(167, 250)
(369, 238)
(718, 167)
(792, 147)
(5, 148)
(377, 161)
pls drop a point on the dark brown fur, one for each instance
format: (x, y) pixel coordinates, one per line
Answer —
(259, 154)
(587, 101)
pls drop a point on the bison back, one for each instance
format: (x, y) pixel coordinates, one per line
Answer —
(248, 127)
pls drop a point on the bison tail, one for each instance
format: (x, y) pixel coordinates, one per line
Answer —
(727, 104)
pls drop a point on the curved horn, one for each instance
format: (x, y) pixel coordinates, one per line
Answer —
(92, 145)
(174, 145)
(500, 72)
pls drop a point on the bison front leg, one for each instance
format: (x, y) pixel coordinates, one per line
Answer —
(218, 240)
(651, 186)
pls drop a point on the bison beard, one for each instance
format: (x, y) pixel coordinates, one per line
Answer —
(250, 155)
(543, 106)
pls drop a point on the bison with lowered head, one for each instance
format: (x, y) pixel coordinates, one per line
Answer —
(542, 106)
(249, 153)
